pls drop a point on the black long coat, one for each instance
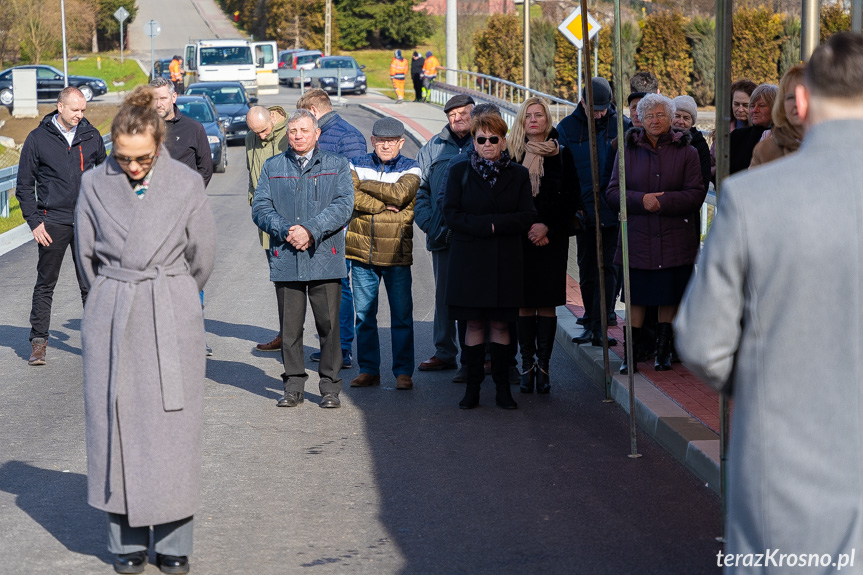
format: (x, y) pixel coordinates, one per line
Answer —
(485, 268)
(556, 203)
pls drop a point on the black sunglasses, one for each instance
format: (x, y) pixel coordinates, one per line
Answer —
(482, 139)
(142, 160)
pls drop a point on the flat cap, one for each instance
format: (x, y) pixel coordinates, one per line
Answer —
(636, 96)
(388, 128)
(459, 101)
(601, 93)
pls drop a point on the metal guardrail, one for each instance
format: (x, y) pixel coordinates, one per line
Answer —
(9, 175)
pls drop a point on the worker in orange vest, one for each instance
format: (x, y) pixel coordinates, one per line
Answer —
(430, 67)
(398, 72)
(177, 73)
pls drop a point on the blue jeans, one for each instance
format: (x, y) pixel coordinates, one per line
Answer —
(397, 279)
(346, 312)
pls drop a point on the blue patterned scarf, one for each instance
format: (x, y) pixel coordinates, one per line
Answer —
(487, 169)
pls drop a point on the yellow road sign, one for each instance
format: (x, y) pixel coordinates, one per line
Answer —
(572, 28)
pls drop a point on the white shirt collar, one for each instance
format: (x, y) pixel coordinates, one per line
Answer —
(68, 134)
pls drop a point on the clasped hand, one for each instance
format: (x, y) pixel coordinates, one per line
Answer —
(651, 203)
(538, 234)
(299, 237)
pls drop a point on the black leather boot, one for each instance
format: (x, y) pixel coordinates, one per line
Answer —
(546, 328)
(636, 350)
(527, 346)
(474, 358)
(500, 360)
(663, 347)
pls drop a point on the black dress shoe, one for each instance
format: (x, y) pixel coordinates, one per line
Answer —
(172, 564)
(131, 562)
(291, 399)
(582, 320)
(597, 340)
(585, 337)
(330, 400)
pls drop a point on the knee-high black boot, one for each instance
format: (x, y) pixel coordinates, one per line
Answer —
(474, 358)
(663, 347)
(501, 356)
(527, 345)
(636, 350)
(546, 328)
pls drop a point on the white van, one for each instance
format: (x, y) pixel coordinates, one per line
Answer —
(232, 61)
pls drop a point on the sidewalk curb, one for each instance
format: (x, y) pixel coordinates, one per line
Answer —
(15, 238)
(683, 436)
(413, 134)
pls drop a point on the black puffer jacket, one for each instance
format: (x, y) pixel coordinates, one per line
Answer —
(47, 160)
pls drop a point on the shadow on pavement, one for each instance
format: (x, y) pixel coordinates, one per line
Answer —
(252, 333)
(58, 502)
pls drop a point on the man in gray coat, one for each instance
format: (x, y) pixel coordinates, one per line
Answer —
(304, 198)
(786, 247)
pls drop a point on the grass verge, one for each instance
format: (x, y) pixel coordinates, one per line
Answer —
(377, 63)
(15, 219)
(109, 69)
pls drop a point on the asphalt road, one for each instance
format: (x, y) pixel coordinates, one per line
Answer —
(393, 482)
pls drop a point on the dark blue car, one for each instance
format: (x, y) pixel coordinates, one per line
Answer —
(232, 103)
(201, 109)
(49, 83)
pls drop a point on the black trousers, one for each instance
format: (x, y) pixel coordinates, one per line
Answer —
(325, 297)
(588, 273)
(47, 272)
(418, 85)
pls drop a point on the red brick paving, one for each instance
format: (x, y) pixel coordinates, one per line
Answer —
(680, 385)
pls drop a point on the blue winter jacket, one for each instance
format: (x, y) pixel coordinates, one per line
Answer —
(320, 198)
(573, 133)
(339, 137)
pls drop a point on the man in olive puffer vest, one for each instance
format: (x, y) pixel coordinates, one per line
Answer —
(380, 244)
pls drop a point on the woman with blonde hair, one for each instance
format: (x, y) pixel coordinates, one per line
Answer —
(533, 144)
(743, 140)
(146, 245)
(787, 132)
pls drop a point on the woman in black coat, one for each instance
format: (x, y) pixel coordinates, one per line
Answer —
(488, 207)
(533, 143)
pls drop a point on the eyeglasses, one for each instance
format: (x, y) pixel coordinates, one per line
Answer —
(142, 160)
(482, 140)
(650, 117)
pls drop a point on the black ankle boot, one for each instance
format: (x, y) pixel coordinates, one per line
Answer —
(500, 360)
(474, 358)
(527, 378)
(527, 347)
(543, 385)
(546, 328)
(636, 351)
(663, 347)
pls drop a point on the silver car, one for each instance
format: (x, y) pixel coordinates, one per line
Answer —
(332, 72)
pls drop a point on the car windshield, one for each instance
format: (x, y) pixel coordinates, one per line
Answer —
(197, 111)
(228, 56)
(307, 59)
(339, 63)
(221, 95)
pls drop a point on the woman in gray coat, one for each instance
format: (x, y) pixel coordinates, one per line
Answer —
(146, 246)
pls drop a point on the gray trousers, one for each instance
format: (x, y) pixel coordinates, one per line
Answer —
(325, 297)
(173, 538)
(444, 327)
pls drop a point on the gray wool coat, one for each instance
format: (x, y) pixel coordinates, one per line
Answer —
(775, 315)
(142, 338)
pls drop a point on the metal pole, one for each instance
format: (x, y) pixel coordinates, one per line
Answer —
(596, 56)
(809, 28)
(451, 40)
(594, 164)
(526, 80)
(328, 28)
(856, 15)
(339, 84)
(579, 76)
(724, 11)
(121, 43)
(624, 232)
(152, 53)
(65, 55)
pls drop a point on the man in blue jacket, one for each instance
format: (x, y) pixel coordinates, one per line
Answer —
(573, 133)
(340, 137)
(54, 156)
(304, 199)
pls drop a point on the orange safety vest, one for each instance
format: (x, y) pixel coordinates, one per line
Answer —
(174, 68)
(399, 68)
(430, 67)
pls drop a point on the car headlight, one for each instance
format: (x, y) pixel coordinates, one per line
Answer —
(238, 119)
(361, 78)
(213, 139)
(100, 84)
(328, 80)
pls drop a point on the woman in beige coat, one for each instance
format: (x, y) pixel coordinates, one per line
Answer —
(146, 246)
(787, 132)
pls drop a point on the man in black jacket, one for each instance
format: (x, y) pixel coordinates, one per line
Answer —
(417, 75)
(55, 154)
(185, 138)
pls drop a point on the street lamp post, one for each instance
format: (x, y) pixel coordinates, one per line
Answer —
(65, 54)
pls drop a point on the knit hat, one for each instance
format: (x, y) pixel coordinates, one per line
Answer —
(601, 93)
(416, 54)
(398, 54)
(459, 101)
(636, 96)
(686, 104)
(388, 128)
(428, 54)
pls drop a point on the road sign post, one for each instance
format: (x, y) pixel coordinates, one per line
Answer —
(152, 29)
(572, 29)
(121, 14)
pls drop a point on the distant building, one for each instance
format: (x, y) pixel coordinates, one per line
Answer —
(438, 7)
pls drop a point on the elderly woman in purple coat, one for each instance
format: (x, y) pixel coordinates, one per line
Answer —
(664, 192)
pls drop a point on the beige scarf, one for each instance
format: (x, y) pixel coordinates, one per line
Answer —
(535, 154)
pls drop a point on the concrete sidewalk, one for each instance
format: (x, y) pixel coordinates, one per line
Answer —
(675, 408)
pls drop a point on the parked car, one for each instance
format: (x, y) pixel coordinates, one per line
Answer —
(232, 104)
(286, 59)
(200, 108)
(304, 60)
(352, 78)
(49, 83)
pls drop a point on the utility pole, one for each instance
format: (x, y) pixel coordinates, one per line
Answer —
(451, 40)
(526, 80)
(810, 20)
(328, 27)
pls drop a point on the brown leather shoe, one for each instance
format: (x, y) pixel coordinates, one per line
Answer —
(275, 345)
(366, 380)
(434, 363)
(404, 381)
(40, 347)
